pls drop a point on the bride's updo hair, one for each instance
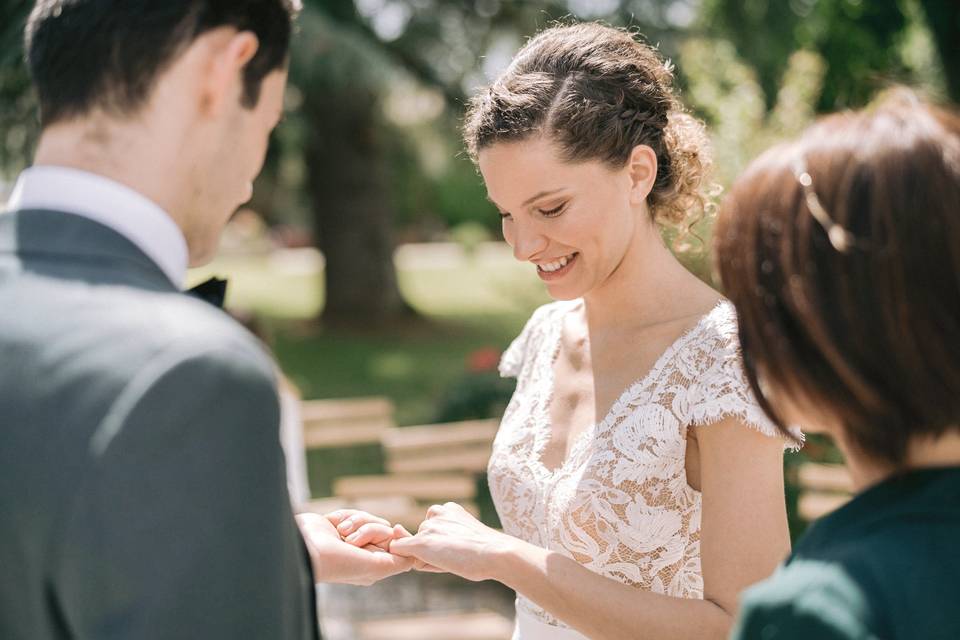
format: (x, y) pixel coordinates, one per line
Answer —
(596, 92)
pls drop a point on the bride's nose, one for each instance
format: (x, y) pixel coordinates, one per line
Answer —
(527, 241)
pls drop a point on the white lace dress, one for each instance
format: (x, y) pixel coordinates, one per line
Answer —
(619, 504)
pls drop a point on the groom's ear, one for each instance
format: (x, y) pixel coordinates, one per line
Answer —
(225, 53)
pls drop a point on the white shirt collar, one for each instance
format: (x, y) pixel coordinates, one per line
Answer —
(129, 213)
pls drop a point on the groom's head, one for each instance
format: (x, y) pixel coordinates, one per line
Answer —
(200, 81)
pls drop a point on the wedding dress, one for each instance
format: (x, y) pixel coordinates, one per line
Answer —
(619, 504)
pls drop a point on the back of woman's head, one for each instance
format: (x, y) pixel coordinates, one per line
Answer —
(596, 92)
(841, 252)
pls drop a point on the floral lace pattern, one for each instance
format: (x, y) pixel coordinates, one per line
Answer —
(620, 503)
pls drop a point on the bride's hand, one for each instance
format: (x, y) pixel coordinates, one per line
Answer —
(452, 540)
(337, 561)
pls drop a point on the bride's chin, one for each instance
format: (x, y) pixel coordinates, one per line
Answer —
(561, 293)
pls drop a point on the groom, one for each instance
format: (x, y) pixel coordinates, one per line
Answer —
(142, 484)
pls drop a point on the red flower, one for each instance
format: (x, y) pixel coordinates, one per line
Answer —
(483, 360)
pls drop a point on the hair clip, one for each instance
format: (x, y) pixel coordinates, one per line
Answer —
(841, 239)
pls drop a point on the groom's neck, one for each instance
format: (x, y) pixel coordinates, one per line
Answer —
(127, 151)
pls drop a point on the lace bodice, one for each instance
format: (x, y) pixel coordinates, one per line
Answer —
(620, 503)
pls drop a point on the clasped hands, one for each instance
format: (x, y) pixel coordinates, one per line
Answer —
(355, 547)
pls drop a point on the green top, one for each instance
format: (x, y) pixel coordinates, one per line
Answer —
(884, 566)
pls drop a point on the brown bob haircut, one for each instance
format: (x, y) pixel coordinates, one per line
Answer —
(841, 253)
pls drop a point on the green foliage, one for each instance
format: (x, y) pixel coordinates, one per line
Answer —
(865, 44)
(19, 125)
(726, 92)
(475, 396)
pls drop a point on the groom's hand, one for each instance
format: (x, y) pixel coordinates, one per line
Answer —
(335, 560)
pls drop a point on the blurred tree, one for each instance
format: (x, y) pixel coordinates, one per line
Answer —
(18, 116)
(340, 78)
(943, 16)
(861, 42)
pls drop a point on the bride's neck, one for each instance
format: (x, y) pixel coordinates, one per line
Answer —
(648, 286)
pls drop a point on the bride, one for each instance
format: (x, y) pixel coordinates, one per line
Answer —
(639, 484)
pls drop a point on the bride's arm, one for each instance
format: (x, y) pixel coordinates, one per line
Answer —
(743, 537)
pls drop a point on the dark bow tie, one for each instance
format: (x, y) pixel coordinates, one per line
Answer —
(213, 291)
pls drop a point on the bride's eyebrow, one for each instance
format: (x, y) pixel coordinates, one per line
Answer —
(542, 194)
(530, 200)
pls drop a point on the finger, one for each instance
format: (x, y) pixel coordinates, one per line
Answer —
(427, 568)
(312, 524)
(434, 511)
(454, 506)
(356, 519)
(338, 516)
(388, 563)
(406, 547)
(399, 531)
(371, 533)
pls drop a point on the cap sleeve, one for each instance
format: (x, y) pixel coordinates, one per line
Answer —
(722, 390)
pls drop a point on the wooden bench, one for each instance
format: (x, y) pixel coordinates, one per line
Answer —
(484, 625)
(345, 422)
(823, 488)
(433, 487)
(455, 446)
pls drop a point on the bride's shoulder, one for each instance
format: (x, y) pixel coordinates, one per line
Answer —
(543, 320)
(712, 355)
(718, 333)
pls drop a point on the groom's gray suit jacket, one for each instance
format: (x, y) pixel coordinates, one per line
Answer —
(142, 483)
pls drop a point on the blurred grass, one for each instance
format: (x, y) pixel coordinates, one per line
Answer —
(466, 306)
(472, 305)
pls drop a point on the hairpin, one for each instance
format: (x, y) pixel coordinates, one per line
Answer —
(841, 239)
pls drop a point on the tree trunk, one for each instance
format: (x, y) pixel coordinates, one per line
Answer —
(943, 18)
(351, 209)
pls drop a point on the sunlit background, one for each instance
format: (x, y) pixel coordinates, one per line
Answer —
(369, 257)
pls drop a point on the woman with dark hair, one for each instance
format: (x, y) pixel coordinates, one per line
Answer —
(841, 252)
(636, 478)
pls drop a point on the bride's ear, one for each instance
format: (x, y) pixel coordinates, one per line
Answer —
(642, 169)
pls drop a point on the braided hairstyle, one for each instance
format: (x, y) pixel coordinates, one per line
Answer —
(597, 92)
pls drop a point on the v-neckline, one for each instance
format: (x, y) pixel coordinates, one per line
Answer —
(543, 439)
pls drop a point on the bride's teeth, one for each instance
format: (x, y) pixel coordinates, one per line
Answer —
(554, 266)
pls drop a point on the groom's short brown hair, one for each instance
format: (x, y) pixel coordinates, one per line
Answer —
(107, 54)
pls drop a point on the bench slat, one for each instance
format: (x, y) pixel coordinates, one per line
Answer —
(404, 439)
(824, 477)
(815, 504)
(421, 487)
(472, 460)
(346, 422)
